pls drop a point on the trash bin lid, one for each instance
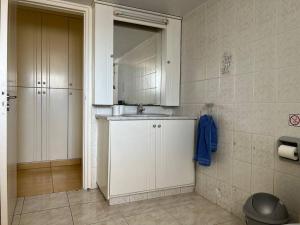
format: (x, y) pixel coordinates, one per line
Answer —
(266, 208)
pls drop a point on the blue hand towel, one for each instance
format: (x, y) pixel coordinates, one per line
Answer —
(207, 140)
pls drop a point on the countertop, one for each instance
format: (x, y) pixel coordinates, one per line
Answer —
(125, 118)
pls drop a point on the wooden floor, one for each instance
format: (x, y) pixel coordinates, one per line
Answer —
(45, 180)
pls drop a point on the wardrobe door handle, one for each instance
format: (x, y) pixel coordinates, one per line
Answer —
(154, 125)
(159, 126)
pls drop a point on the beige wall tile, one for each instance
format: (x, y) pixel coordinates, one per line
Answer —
(226, 93)
(244, 115)
(288, 15)
(239, 198)
(224, 195)
(262, 180)
(242, 147)
(193, 92)
(265, 18)
(241, 175)
(244, 88)
(263, 151)
(265, 54)
(287, 189)
(288, 84)
(265, 86)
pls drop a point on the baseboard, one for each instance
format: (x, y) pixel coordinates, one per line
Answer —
(48, 164)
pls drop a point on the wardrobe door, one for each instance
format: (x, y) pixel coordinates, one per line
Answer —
(29, 48)
(56, 121)
(75, 53)
(75, 124)
(55, 51)
(29, 124)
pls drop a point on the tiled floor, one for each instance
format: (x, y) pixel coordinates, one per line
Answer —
(48, 180)
(89, 207)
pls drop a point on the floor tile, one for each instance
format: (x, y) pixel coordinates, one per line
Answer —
(34, 182)
(66, 178)
(19, 206)
(82, 196)
(16, 220)
(137, 208)
(154, 218)
(234, 222)
(60, 216)
(119, 221)
(207, 215)
(91, 213)
(44, 202)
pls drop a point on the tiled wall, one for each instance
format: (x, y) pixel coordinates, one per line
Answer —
(252, 101)
(139, 73)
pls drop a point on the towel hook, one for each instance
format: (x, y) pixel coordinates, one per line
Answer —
(209, 106)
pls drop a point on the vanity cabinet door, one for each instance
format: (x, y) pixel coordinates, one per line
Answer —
(103, 55)
(132, 155)
(174, 153)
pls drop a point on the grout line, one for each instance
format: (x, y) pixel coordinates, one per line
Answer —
(52, 180)
(22, 206)
(43, 210)
(70, 207)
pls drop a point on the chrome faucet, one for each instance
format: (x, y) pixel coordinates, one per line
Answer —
(140, 109)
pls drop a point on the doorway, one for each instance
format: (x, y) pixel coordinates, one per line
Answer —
(7, 201)
(49, 105)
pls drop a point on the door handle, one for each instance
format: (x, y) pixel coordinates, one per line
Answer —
(11, 97)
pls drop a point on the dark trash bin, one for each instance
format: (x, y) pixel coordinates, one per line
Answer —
(265, 209)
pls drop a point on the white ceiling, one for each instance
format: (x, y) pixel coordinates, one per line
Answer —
(172, 7)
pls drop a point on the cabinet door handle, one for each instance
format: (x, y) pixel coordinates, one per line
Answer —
(70, 93)
(44, 82)
(168, 62)
(44, 92)
(71, 84)
(39, 82)
(159, 126)
(154, 125)
(39, 92)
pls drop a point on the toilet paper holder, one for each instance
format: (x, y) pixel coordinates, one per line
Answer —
(291, 141)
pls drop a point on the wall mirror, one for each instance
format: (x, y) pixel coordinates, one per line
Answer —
(137, 64)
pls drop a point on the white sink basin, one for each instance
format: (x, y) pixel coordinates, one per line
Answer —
(145, 115)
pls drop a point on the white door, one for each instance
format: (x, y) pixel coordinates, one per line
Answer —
(131, 157)
(75, 124)
(29, 124)
(75, 53)
(7, 162)
(55, 51)
(55, 122)
(175, 151)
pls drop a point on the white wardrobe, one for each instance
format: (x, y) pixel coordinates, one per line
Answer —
(49, 86)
